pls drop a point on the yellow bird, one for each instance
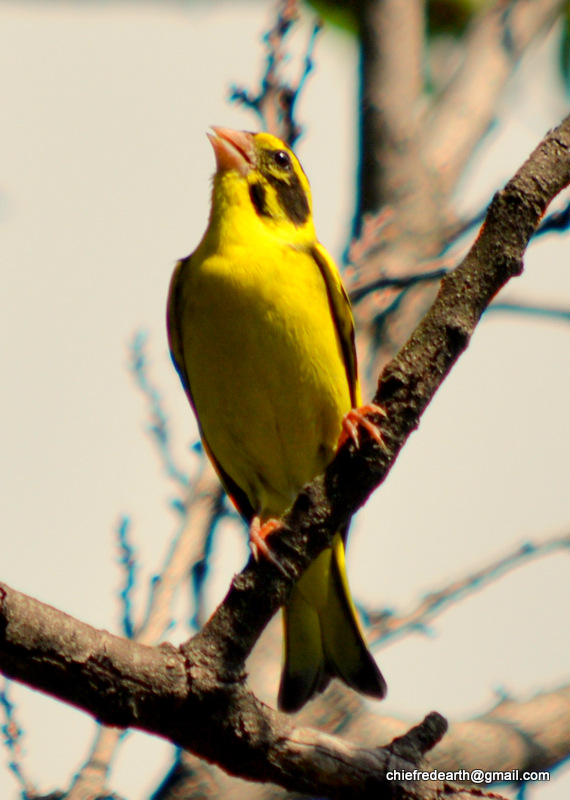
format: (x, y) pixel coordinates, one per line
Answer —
(262, 336)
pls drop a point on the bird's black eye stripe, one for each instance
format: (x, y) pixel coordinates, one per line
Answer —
(282, 159)
(257, 194)
(291, 197)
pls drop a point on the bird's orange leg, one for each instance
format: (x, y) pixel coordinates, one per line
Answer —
(258, 533)
(356, 417)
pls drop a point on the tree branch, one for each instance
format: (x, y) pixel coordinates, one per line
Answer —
(392, 81)
(531, 734)
(196, 695)
(159, 691)
(521, 735)
(383, 626)
(437, 142)
(275, 102)
(495, 42)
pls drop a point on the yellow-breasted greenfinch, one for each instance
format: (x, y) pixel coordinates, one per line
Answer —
(262, 336)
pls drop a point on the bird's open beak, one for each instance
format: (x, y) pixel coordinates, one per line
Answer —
(233, 149)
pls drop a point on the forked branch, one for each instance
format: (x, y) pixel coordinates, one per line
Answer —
(196, 695)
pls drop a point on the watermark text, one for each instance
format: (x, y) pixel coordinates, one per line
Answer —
(468, 776)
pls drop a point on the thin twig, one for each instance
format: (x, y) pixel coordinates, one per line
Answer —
(558, 221)
(548, 312)
(158, 426)
(128, 562)
(385, 626)
(13, 735)
(275, 102)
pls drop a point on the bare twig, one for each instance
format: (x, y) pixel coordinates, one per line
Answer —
(396, 282)
(91, 780)
(386, 625)
(514, 735)
(158, 425)
(128, 562)
(12, 734)
(558, 221)
(275, 102)
(159, 690)
(556, 313)
(186, 551)
(198, 514)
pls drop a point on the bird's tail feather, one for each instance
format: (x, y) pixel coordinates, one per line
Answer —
(323, 638)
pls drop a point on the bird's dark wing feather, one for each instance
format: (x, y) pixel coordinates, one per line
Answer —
(174, 316)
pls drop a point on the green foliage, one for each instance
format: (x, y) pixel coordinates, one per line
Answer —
(443, 16)
(339, 13)
(451, 16)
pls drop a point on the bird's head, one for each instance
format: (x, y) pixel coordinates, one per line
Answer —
(261, 179)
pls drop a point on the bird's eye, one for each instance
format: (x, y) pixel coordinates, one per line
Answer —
(282, 159)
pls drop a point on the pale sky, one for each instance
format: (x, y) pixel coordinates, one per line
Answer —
(104, 183)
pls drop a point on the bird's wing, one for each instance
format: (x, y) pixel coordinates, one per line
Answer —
(342, 317)
(174, 322)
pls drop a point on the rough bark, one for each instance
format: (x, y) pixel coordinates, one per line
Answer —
(196, 696)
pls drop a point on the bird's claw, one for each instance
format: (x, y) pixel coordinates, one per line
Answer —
(258, 533)
(355, 418)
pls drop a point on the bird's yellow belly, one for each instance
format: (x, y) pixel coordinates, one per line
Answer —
(266, 373)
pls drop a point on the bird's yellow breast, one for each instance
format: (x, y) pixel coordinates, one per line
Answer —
(265, 365)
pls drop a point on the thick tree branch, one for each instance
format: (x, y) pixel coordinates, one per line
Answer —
(392, 81)
(196, 695)
(521, 735)
(158, 690)
(437, 142)
(495, 42)
(531, 734)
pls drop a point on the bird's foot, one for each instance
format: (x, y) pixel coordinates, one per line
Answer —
(355, 418)
(258, 533)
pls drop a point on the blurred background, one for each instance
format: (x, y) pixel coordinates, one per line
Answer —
(104, 183)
